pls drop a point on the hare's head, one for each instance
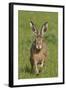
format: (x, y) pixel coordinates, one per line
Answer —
(39, 34)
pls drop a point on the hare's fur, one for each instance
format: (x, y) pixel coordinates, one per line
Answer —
(38, 55)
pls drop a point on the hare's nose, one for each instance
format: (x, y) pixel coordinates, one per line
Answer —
(38, 46)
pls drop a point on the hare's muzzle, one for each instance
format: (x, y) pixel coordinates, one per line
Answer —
(38, 43)
(38, 46)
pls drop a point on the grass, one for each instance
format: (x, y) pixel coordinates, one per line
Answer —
(25, 38)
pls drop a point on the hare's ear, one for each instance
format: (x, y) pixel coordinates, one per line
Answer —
(33, 27)
(44, 28)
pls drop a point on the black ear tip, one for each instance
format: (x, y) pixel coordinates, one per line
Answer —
(31, 22)
(46, 23)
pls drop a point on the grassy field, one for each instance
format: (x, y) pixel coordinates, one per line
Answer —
(25, 38)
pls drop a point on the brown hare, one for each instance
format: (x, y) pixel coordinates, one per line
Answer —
(38, 50)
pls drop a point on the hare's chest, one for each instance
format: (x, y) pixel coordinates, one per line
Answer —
(38, 56)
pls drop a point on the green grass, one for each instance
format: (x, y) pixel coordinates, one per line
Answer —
(25, 38)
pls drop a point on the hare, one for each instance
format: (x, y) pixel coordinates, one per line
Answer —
(38, 50)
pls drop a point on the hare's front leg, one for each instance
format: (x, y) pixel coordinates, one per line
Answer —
(42, 63)
(41, 66)
(36, 68)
